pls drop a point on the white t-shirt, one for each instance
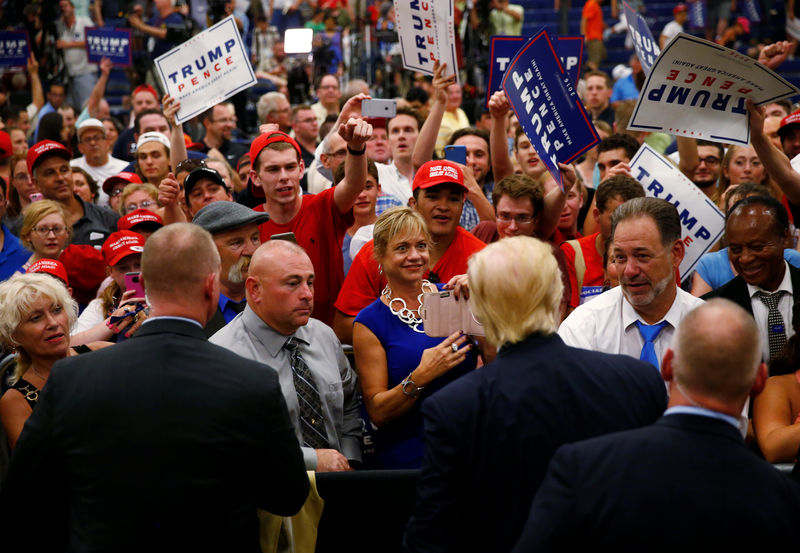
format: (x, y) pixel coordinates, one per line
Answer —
(670, 30)
(112, 167)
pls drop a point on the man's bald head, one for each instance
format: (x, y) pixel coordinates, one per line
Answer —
(280, 285)
(717, 352)
(177, 259)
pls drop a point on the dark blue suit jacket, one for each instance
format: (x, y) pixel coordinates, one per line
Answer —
(490, 434)
(164, 442)
(686, 483)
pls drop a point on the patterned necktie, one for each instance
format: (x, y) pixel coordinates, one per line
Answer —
(649, 333)
(776, 330)
(312, 422)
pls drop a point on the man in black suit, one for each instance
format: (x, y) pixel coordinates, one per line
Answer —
(490, 434)
(686, 483)
(164, 442)
(757, 231)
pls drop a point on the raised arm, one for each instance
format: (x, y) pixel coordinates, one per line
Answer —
(498, 143)
(554, 200)
(356, 133)
(37, 92)
(689, 158)
(775, 161)
(177, 145)
(426, 141)
(99, 90)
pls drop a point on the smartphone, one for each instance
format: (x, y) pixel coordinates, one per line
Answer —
(378, 108)
(457, 154)
(297, 41)
(288, 236)
(442, 315)
(133, 281)
(35, 197)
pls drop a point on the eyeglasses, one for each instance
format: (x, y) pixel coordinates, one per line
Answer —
(58, 230)
(21, 177)
(710, 160)
(519, 219)
(143, 205)
(93, 138)
(337, 153)
(116, 192)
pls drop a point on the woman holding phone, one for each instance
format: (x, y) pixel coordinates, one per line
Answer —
(121, 309)
(398, 364)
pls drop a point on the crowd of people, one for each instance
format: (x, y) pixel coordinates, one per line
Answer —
(195, 320)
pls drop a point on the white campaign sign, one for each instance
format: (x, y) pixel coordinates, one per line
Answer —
(206, 69)
(703, 224)
(698, 89)
(426, 32)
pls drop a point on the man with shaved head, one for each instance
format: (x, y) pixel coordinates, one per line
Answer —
(686, 483)
(276, 329)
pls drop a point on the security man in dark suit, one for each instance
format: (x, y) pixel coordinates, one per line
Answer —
(757, 231)
(686, 483)
(490, 434)
(163, 443)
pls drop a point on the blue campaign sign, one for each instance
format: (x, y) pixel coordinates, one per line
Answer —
(698, 14)
(646, 46)
(503, 49)
(14, 48)
(543, 97)
(752, 10)
(114, 44)
(570, 52)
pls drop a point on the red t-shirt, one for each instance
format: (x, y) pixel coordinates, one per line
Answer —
(593, 275)
(319, 227)
(594, 20)
(363, 284)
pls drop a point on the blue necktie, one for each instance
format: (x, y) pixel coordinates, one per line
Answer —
(649, 333)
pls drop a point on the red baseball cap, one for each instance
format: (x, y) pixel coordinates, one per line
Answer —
(43, 149)
(264, 140)
(6, 151)
(51, 267)
(122, 244)
(680, 8)
(145, 88)
(791, 119)
(437, 172)
(86, 270)
(125, 177)
(140, 217)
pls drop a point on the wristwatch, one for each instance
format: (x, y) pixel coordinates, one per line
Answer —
(410, 389)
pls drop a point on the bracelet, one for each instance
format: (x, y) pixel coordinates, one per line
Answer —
(356, 152)
(410, 389)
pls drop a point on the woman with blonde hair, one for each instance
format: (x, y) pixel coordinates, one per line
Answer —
(398, 364)
(44, 231)
(36, 313)
(138, 196)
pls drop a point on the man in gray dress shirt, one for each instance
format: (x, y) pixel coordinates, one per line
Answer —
(276, 328)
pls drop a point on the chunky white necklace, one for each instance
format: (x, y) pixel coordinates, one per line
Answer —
(409, 316)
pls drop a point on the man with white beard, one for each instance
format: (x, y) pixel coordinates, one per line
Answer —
(234, 228)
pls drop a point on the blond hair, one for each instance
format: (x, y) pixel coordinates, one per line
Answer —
(17, 296)
(396, 222)
(515, 289)
(35, 212)
(129, 189)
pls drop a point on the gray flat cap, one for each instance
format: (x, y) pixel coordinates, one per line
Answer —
(219, 216)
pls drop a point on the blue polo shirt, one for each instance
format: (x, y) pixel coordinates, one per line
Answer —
(13, 255)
